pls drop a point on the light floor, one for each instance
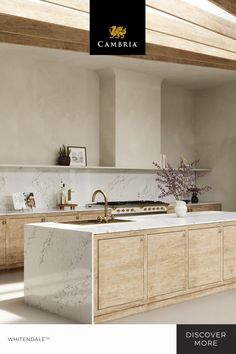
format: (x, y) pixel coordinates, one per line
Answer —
(217, 308)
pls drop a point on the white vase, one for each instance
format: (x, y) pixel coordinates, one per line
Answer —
(180, 209)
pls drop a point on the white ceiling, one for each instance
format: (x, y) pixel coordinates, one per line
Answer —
(188, 76)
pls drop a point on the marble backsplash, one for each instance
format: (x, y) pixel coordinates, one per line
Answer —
(45, 185)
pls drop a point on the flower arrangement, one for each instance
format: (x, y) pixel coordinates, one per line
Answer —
(178, 181)
(196, 190)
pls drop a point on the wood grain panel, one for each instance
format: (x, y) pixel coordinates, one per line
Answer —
(229, 252)
(15, 239)
(227, 5)
(2, 242)
(120, 271)
(186, 30)
(166, 40)
(46, 12)
(42, 42)
(175, 55)
(39, 29)
(166, 263)
(62, 218)
(204, 256)
(82, 5)
(193, 14)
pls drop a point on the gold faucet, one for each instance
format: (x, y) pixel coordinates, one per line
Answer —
(106, 217)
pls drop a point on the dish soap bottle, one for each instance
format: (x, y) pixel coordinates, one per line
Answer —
(62, 195)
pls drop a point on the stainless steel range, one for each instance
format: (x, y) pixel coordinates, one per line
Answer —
(134, 207)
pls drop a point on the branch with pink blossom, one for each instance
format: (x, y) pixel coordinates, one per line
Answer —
(178, 181)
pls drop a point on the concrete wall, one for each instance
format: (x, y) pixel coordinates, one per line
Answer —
(107, 117)
(138, 119)
(44, 105)
(177, 123)
(215, 130)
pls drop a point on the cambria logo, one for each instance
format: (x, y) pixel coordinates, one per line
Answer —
(117, 32)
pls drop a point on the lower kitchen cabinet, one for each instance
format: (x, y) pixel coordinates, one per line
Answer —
(12, 233)
(205, 256)
(120, 271)
(15, 239)
(166, 263)
(229, 245)
(2, 242)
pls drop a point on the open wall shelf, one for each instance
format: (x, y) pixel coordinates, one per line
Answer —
(89, 168)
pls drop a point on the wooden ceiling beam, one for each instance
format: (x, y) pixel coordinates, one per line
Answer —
(185, 30)
(82, 5)
(42, 42)
(227, 5)
(32, 28)
(46, 12)
(195, 15)
(170, 41)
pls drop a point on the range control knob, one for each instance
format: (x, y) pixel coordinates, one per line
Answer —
(123, 210)
(118, 210)
(132, 210)
(145, 208)
(127, 209)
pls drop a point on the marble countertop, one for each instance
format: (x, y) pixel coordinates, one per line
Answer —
(47, 211)
(145, 222)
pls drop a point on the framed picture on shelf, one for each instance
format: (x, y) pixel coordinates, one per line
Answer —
(78, 156)
(23, 200)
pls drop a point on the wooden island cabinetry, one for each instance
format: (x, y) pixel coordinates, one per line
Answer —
(136, 272)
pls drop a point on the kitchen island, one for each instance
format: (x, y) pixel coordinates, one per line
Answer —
(96, 273)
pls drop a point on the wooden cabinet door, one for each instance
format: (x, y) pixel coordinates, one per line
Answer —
(15, 239)
(120, 271)
(2, 242)
(166, 263)
(229, 252)
(204, 256)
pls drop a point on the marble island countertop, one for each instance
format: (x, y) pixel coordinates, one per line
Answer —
(144, 222)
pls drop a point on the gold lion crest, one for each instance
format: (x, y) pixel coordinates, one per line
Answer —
(117, 31)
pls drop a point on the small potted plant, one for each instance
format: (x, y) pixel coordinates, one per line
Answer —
(195, 191)
(64, 156)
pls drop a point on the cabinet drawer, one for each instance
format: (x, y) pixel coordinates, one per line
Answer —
(62, 218)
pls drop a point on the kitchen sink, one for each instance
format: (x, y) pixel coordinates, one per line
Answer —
(94, 222)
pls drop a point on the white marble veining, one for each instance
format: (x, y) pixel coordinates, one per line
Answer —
(58, 272)
(144, 222)
(45, 184)
(58, 259)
